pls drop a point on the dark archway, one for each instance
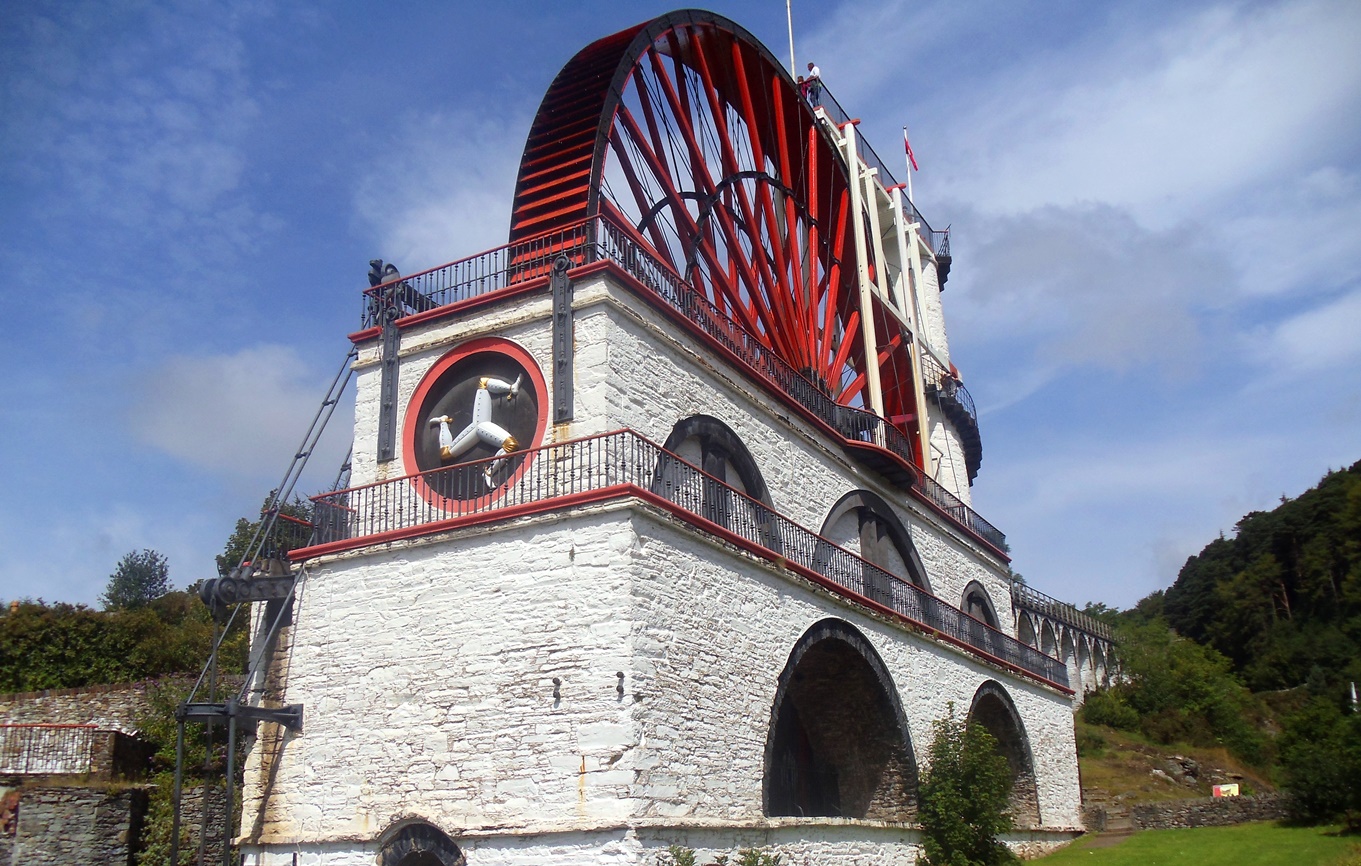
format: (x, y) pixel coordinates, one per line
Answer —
(865, 524)
(993, 708)
(418, 843)
(838, 743)
(978, 604)
(712, 447)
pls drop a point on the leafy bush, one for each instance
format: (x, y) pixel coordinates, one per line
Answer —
(1320, 756)
(677, 855)
(1089, 742)
(1106, 707)
(62, 645)
(1179, 691)
(964, 797)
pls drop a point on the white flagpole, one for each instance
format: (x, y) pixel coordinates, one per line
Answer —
(793, 63)
(908, 159)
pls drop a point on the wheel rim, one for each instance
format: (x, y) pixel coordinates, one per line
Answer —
(688, 130)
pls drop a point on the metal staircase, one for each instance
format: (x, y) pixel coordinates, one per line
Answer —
(263, 575)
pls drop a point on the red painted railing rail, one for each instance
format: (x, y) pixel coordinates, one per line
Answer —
(600, 239)
(621, 464)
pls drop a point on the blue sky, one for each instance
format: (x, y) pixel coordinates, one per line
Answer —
(1155, 301)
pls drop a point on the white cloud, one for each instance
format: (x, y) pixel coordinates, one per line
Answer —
(1326, 337)
(241, 415)
(444, 190)
(1082, 286)
(134, 123)
(1183, 111)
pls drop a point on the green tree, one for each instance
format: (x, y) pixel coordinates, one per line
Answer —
(1175, 690)
(292, 529)
(1283, 595)
(964, 796)
(1320, 757)
(140, 578)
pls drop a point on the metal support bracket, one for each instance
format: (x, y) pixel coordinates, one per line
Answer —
(236, 589)
(387, 410)
(564, 337)
(289, 716)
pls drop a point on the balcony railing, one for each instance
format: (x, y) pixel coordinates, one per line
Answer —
(1037, 602)
(937, 378)
(599, 239)
(938, 241)
(46, 750)
(621, 464)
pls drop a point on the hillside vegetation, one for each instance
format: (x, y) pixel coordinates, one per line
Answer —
(1253, 650)
(1282, 598)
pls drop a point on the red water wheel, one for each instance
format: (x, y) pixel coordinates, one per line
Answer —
(688, 131)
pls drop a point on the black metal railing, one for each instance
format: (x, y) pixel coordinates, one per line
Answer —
(1035, 601)
(939, 380)
(483, 274)
(46, 750)
(627, 461)
(600, 239)
(938, 241)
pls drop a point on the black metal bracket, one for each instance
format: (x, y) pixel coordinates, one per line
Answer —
(236, 589)
(564, 337)
(387, 410)
(289, 716)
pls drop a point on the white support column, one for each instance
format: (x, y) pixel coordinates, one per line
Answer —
(872, 195)
(907, 241)
(871, 341)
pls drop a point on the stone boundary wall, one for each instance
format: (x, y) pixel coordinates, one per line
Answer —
(61, 826)
(1208, 812)
(112, 707)
(115, 707)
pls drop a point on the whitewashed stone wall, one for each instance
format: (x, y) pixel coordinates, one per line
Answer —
(933, 313)
(650, 382)
(427, 667)
(632, 371)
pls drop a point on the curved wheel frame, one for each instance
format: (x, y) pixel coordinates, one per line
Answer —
(688, 131)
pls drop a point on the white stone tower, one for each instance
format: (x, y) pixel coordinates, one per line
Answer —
(659, 527)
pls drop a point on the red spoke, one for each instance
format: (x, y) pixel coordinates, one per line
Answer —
(700, 170)
(724, 170)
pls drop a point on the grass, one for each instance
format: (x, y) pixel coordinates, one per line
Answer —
(1262, 844)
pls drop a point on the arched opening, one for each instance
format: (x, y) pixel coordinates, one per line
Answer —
(993, 709)
(711, 446)
(863, 523)
(1084, 662)
(1025, 631)
(418, 843)
(838, 743)
(978, 604)
(1049, 644)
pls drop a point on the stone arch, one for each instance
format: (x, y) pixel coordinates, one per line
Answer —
(1099, 656)
(714, 448)
(865, 524)
(418, 843)
(1068, 655)
(1084, 655)
(838, 742)
(993, 708)
(1025, 631)
(1049, 644)
(977, 603)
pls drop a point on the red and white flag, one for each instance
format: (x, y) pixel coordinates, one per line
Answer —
(911, 158)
